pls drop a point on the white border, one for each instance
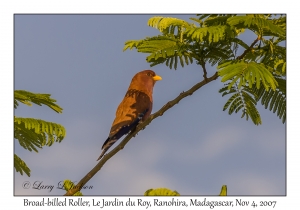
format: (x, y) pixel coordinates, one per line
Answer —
(9, 8)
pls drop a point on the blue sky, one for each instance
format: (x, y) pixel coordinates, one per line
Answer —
(194, 148)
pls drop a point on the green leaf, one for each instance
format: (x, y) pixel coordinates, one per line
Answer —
(167, 24)
(257, 23)
(210, 34)
(35, 133)
(274, 100)
(241, 99)
(240, 42)
(21, 166)
(246, 73)
(161, 192)
(223, 190)
(68, 184)
(26, 97)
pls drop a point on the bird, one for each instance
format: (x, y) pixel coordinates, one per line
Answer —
(135, 108)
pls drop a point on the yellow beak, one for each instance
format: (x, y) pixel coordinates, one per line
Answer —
(155, 78)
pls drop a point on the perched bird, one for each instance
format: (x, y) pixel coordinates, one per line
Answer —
(135, 107)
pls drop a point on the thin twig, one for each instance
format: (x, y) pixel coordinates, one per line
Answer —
(204, 70)
(141, 126)
(249, 49)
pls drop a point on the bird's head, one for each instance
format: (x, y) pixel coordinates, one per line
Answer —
(144, 80)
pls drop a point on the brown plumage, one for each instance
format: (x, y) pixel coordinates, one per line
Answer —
(135, 107)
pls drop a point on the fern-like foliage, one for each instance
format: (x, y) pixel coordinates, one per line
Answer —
(274, 100)
(246, 99)
(223, 190)
(258, 23)
(35, 133)
(215, 40)
(247, 73)
(210, 33)
(68, 184)
(161, 192)
(21, 166)
(168, 192)
(177, 43)
(241, 99)
(26, 97)
(273, 55)
(163, 49)
(169, 25)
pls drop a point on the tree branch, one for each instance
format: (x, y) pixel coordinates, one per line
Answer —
(141, 126)
(249, 49)
(204, 70)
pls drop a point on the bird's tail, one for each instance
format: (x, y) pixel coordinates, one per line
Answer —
(102, 153)
(107, 144)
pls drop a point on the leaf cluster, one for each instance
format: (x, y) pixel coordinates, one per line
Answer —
(161, 192)
(215, 39)
(247, 73)
(168, 192)
(26, 97)
(35, 133)
(246, 99)
(20, 166)
(32, 134)
(68, 184)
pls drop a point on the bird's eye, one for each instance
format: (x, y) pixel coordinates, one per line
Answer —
(149, 74)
